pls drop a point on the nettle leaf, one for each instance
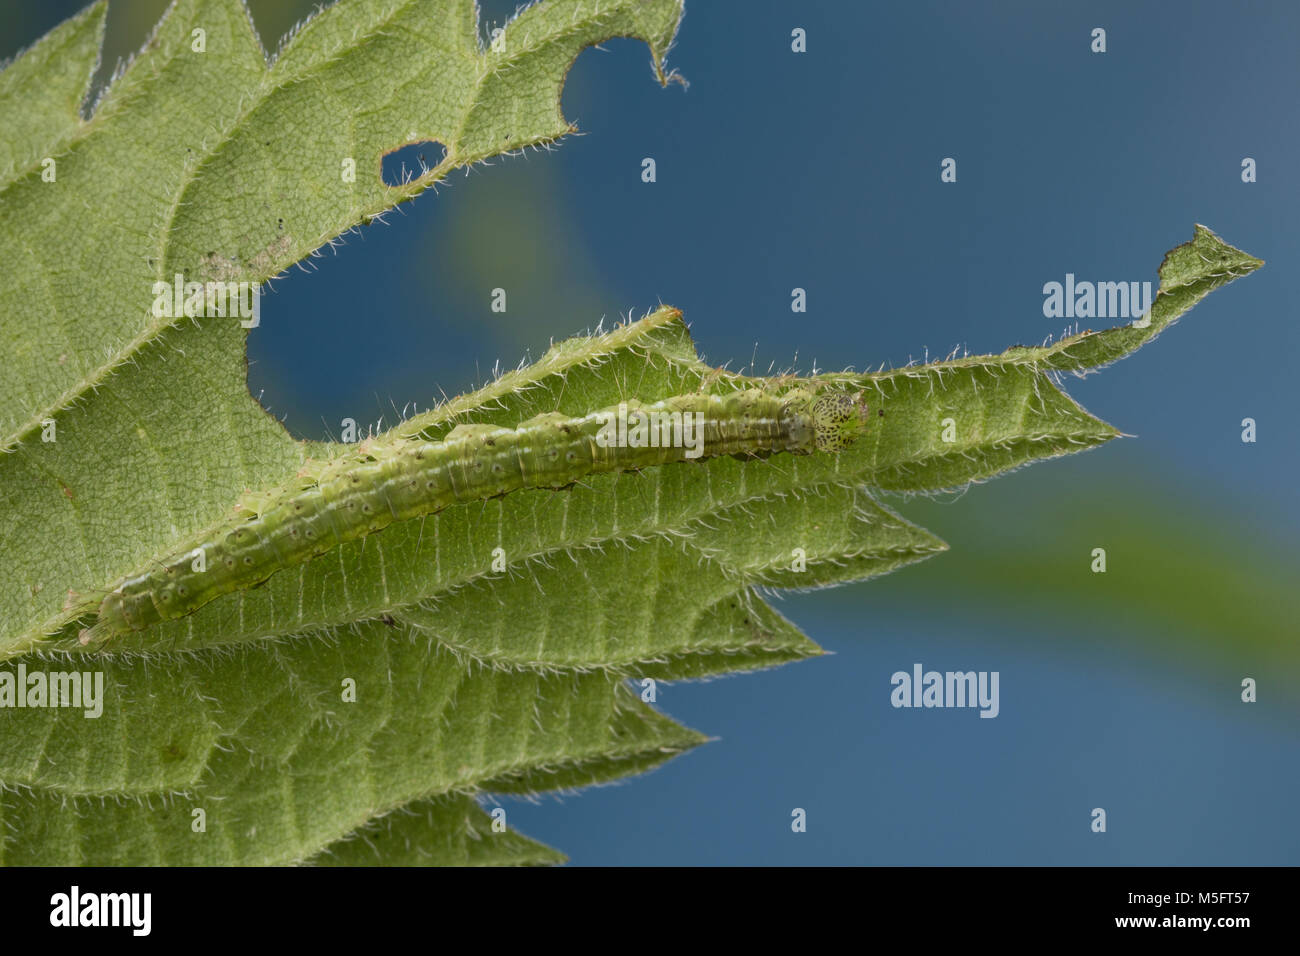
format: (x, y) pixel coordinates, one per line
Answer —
(50, 80)
(281, 765)
(194, 161)
(355, 708)
(446, 831)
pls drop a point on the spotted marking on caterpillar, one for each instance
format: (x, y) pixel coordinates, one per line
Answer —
(374, 486)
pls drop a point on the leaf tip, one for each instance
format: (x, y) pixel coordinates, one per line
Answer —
(1205, 257)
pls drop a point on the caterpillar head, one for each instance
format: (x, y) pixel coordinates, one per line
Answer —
(839, 419)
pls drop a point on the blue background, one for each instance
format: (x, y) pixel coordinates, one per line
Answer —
(821, 170)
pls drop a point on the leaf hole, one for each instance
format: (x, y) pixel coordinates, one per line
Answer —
(411, 162)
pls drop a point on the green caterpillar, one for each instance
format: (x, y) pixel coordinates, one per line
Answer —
(410, 478)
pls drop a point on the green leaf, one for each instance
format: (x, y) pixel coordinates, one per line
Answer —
(172, 150)
(1188, 274)
(282, 765)
(42, 91)
(349, 709)
(447, 831)
(622, 595)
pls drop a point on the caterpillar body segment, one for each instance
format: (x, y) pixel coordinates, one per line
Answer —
(355, 496)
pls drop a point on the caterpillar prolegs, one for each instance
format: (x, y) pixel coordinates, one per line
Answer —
(411, 478)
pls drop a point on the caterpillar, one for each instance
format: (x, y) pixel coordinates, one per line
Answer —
(412, 477)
